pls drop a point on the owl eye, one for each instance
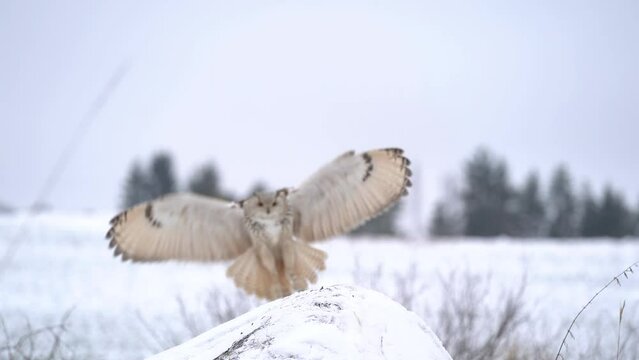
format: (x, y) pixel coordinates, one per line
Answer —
(260, 204)
(274, 203)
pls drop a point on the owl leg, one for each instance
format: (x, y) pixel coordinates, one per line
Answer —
(267, 258)
(284, 282)
(289, 258)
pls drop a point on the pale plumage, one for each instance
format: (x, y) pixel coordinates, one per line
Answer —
(266, 234)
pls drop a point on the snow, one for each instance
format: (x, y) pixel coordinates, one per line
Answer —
(62, 262)
(337, 322)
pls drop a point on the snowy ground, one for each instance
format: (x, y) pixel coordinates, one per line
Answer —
(339, 322)
(62, 262)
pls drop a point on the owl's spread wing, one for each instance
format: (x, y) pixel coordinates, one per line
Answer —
(348, 191)
(179, 226)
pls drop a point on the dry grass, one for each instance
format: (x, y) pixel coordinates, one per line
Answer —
(627, 335)
(473, 328)
(474, 321)
(37, 343)
(217, 308)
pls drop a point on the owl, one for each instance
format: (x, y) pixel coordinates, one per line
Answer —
(268, 235)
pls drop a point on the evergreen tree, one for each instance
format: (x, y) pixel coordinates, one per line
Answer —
(5, 209)
(162, 176)
(259, 186)
(382, 225)
(205, 181)
(614, 218)
(562, 207)
(487, 196)
(137, 187)
(444, 222)
(530, 212)
(589, 222)
(448, 216)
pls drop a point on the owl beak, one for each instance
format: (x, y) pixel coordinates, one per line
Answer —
(268, 211)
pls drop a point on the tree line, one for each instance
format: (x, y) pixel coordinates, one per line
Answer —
(156, 178)
(485, 204)
(149, 181)
(488, 204)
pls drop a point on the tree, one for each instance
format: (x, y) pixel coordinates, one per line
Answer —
(448, 216)
(614, 217)
(258, 186)
(5, 209)
(141, 185)
(589, 222)
(530, 212)
(382, 225)
(205, 181)
(444, 222)
(137, 187)
(486, 196)
(561, 205)
(161, 174)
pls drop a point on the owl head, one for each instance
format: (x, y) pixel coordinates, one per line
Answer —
(266, 205)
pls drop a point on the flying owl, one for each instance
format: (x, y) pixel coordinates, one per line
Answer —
(268, 234)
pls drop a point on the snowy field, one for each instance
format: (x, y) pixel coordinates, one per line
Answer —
(127, 311)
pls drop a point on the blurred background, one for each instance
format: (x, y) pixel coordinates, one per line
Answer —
(521, 120)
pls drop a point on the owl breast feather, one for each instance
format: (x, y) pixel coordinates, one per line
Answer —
(271, 230)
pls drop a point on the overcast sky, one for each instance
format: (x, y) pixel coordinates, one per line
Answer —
(273, 89)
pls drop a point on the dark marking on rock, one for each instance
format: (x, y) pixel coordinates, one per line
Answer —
(326, 305)
(233, 351)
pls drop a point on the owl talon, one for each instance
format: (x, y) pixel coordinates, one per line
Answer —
(299, 284)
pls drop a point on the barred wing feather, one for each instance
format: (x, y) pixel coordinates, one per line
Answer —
(348, 191)
(179, 226)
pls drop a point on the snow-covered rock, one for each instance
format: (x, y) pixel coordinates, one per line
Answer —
(337, 322)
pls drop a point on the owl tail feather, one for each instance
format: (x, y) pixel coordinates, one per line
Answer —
(248, 273)
(308, 260)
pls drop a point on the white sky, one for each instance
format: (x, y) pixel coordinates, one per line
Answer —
(273, 89)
